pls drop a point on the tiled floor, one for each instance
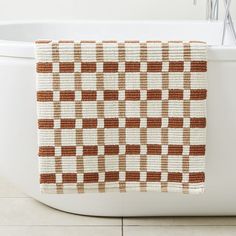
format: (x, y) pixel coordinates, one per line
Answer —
(23, 216)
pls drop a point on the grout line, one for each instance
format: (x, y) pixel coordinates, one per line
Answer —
(2, 226)
(122, 231)
(180, 225)
(122, 226)
(15, 197)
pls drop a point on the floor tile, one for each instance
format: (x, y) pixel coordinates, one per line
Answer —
(26, 211)
(179, 230)
(61, 231)
(165, 221)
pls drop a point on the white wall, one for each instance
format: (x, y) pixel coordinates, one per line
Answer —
(103, 9)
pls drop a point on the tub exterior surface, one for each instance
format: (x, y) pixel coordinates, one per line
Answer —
(18, 146)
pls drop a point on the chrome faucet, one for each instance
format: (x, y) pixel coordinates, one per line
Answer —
(212, 9)
(228, 21)
(212, 13)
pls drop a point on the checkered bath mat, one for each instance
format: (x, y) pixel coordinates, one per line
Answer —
(121, 116)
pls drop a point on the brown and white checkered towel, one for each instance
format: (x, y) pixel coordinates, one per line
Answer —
(121, 116)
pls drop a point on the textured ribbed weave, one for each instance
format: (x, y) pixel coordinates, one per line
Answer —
(121, 116)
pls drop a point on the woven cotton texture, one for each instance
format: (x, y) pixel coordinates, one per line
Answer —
(121, 116)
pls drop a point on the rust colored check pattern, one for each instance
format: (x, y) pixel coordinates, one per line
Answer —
(121, 116)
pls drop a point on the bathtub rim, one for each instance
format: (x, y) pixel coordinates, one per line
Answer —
(25, 49)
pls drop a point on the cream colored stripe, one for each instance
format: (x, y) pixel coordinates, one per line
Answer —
(143, 114)
(100, 114)
(122, 141)
(79, 116)
(57, 115)
(186, 112)
(164, 130)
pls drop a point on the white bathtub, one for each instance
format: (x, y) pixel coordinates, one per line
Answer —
(18, 121)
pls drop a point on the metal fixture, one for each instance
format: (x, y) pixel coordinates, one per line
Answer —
(212, 9)
(228, 21)
(212, 13)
